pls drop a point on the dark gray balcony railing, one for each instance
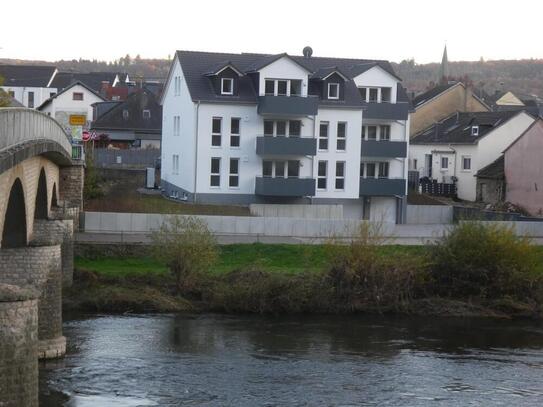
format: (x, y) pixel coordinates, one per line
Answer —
(386, 111)
(267, 145)
(294, 187)
(288, 105)
(382, 148)
(382, 186)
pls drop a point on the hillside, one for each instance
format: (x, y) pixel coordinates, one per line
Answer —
(523, 77)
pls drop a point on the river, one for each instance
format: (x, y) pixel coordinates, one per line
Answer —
(218, 360)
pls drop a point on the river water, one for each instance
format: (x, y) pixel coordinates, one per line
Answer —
(217, 360)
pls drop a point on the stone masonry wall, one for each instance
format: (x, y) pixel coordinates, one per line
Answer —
(18, 347)
(71, 185)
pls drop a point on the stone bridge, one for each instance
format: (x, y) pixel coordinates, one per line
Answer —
(41, 193)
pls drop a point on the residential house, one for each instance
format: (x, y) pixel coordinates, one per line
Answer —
(440, 102)
(244, 128)
(133, 123)
(110, 85)
(28, 84)
(72, 107)
(457, 147)
(523, 168)
(506, 100)
(491, 182)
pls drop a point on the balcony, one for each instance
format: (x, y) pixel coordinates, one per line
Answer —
(291, 187)
(268, 145)
(288, 105)
(386, 111)
(382, 186)
(384, 148)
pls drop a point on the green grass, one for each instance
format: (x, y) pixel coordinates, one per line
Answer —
(280, 258)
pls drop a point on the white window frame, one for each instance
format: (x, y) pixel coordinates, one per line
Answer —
(330, 85)
(176, 126)
(175, 164)
(231, 174)
(344, 138)
(324, 177)
(225, 80)
(474, 131)
(214, 174)
(384, 164)
(375, 169)
(466, 157)
(381, 126)
(78, 93)
(238, 134)
(216, 134)
(327, 138)
(447, 161)
(338, 177)
(276, 86)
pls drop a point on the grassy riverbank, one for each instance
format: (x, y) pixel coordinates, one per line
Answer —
(261, 278)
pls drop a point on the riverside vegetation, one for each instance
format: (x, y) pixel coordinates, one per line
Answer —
(474, 270)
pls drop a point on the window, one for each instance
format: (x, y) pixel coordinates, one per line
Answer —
(215, 179)
(176, 125)
(370, 170)
(466, 163)
(267, 168)
(295, 87)
(444, 163)
(30, 99)
(372, 132)
(227, 86)
(281, 128)
(322, 174)
(233, 179)
(323, 136)
(234, 132)
(282, 88)
(146, 114)
(280, 169)
(293, 169)
(269, 87)
(175, 164)
(268, 127)
(340, 175)
(126, 115)
(383, 170)
(333, 91)
(373, 94)
(51, 94)
(294, 128)
(362, 165)
(386, 94)
(474, 130)
(384, 132)
(341, 141)
(363, 93)
(415, 162)
(216, 132)
(77, 96)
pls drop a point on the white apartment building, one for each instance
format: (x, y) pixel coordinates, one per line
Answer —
(246, 128)
(28, 84)
(454, 149)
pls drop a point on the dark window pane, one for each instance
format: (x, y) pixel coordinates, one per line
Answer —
(281, 87)
(370, 169)
(281, 128)
(340, 169)
(295, 87)
(321, 183)
(383, 170)
(215, 181)
(361, 169)
(340, 183)
(333, 90)
(234, 141)
(233, 181)
(270, 87)
(363, 93)
(373, 95)
(363, 132)
(234, 126)
(341, 129)
(294, 128)
(372, 132)
(280, 168)
(234, 166)
(216, 140)
(216, 125)
(385, 132)
(215, 165)
(341, 144)
(268, 127)
(323, 144)
(267, 168)
(324, 130)
(322, 168)
(293, 168)
(386, 94)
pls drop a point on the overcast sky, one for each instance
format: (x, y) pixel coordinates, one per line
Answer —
(381, 29)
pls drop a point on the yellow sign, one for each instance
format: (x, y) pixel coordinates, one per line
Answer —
(78, 120)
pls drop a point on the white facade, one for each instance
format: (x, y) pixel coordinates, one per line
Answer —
(31, 97)
(188, 150)
(444, 161)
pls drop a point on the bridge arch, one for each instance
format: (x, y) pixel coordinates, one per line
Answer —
(14, 233)
(41, 210)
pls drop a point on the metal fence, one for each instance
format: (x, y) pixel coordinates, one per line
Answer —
(433, 187)
(145, 157)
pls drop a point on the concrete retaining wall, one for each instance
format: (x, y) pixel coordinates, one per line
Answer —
(297, 211)
(429, 214)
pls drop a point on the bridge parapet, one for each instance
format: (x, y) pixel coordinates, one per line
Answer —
(20, 125)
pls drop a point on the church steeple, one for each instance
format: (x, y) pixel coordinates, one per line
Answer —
(444, 68)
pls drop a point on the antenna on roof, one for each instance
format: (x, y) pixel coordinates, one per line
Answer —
(307, 51)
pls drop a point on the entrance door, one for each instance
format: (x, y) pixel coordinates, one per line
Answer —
(428, 165)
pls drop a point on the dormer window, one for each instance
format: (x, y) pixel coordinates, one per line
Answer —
(333, 91)
(227, 86)
(283, 87)
(474, 130)
(146, 114)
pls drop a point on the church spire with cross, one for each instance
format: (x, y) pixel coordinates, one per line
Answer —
(444, 68)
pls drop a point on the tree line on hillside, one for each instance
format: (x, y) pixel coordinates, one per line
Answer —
(522, 77)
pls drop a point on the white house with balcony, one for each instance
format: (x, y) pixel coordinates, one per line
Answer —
(254, 128)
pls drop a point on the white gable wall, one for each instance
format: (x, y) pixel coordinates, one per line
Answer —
(378, 77)
(283, 68)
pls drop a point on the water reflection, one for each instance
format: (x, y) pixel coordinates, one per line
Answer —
(247, 361)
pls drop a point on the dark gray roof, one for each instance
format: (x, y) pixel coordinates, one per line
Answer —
(196, 64)
(430, 94)
(494, 170)
(46, 102)
(37, 76)
(138, 101)
(457, 129)
(92, 79)
(322, 73)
